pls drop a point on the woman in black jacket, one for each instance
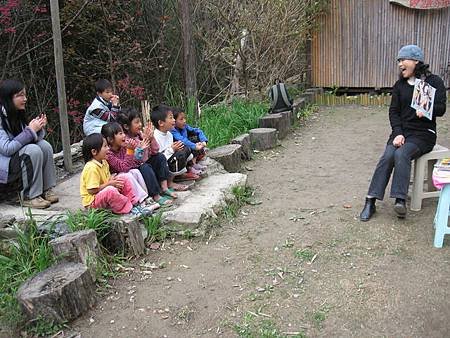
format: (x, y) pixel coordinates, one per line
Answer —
(412, 135)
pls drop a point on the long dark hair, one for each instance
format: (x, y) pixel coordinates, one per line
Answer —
(422, 70)
(16, 120)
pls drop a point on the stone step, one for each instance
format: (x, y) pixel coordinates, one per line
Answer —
(206, 199)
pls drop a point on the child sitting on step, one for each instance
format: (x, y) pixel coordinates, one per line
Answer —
(176, 153)
(121, 158)
(102, 110)
(193, 138)
(131, 123)
(101, 190)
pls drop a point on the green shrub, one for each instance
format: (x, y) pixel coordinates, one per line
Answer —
(222, 122)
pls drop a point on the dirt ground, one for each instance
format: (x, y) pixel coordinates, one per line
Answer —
(300, 263)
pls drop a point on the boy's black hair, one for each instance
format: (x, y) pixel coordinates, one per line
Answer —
(101, 85)
(126, 116)
(91, 142)
(111, 129)
(160, 113)
(177, 111)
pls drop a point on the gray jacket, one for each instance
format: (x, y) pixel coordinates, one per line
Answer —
(10, 144)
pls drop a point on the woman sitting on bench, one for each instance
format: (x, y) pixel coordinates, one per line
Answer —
(412, 135)
(26, 160)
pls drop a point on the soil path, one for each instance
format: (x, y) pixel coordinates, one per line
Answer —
(300, 262)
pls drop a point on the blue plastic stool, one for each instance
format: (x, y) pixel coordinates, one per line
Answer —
(441, 217)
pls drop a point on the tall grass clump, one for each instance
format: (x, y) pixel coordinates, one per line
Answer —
(21, 259)
(94, 219)
(222, 122)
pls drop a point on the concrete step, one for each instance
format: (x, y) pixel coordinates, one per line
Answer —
(206, 199)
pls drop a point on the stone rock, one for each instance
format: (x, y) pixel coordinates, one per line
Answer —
(212, 166)
(228, 155)
(244, 141)
(263, 138)
(6, 220)
(79, 247)
(61, 293)
(208, 198)
(54, 228)
(278, 121)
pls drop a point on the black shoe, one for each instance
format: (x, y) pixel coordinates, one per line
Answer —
(400, 207)
(368, 210)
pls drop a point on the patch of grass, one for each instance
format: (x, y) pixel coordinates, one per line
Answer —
(310, 109)
(222, 122)
(23, 258)
(43, 328)
(255, 327)
(304, 254)
(153, 225)
(318, 318)
(99, 220)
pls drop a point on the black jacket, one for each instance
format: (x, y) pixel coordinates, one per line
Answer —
(404, 120)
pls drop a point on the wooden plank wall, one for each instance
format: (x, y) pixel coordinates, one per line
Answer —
(358, 41)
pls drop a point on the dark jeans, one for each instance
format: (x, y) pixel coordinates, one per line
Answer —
(159, 165)
(150, 179)
(399, 160)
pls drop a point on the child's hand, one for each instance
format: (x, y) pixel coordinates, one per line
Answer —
(177, 146)
(145, 143)
(130, 144)
(116, 182)
(199, 146)
(115, 100)
(148, 132)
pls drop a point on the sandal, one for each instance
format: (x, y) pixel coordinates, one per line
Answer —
(164, 201)
(170, 193)
(179, 187)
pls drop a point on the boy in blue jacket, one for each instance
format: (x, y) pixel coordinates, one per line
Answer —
(193, 138)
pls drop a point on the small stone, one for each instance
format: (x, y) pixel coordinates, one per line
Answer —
(112, 321)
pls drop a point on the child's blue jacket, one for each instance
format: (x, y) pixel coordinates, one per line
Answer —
(182, 135)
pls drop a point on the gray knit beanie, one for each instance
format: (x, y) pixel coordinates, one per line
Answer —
(411, 52)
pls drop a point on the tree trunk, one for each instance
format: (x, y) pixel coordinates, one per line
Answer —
(60, 293)
(78, 247)
(263, 138)
(228, 155)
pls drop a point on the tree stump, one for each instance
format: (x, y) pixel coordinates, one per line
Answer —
(308, 96)
(289, 116)
(60, 293)
(130, 235)
(299, 104)
(263, 138)
(244, 141)
(277, 121)
(78, 247)
(228, 155)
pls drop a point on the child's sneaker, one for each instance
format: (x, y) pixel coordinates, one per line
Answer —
(195, 171)
(200, 167)
(138, 210)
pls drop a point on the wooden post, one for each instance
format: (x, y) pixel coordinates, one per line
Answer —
(189, 56)
(60, 84)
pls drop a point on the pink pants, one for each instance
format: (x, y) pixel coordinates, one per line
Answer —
(119, 202)
(139, 187)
